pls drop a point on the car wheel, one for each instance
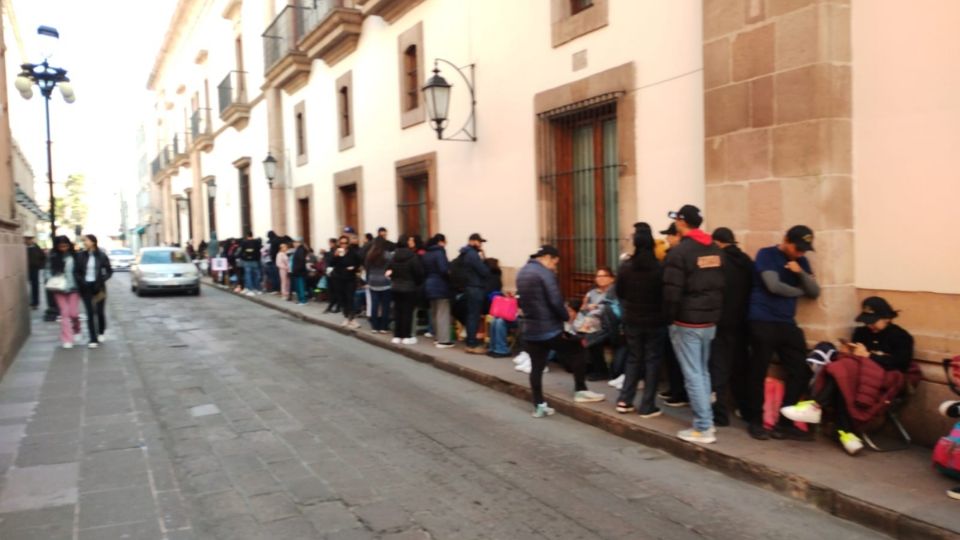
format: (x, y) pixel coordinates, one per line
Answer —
(140, 293)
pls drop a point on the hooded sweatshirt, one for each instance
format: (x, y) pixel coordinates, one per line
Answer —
(693, 281)
(406, 270)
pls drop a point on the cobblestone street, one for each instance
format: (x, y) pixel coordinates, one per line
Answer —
(212, 418)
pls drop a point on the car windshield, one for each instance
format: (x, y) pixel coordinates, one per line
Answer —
(121, 252)
(163, 257)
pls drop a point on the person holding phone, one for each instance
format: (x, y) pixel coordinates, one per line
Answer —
(877, 356)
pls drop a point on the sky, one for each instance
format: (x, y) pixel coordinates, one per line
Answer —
(108, 48)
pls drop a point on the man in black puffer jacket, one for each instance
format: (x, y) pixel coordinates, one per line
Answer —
(693, 300)
(640, 290)
(728, 352)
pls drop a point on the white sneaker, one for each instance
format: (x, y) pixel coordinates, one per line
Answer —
(543, 410)
(248, 293)
(396, 341)
(345, 323)
(445, 345)
(618, 382)
(694, 436)
(524, 367)
(410, 341)
(586, 396)
(354, 324)
(851, 443)
(68, 345)
(805, 411)
(101, 338)
(93, 345)
(521, 358)
(428, 335)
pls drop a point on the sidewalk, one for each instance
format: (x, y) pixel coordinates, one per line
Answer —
(896, 493)
(81, 455)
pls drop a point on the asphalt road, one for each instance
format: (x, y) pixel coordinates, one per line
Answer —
(279, 429)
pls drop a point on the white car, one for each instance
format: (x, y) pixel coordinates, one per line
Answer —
(121, 258)
(159, 269)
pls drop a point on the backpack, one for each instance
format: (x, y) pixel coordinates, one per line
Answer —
(946, 454)
(459, 273)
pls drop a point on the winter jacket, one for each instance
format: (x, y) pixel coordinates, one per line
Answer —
(867, 388)
(494, 282)
(35, 258)
(274, 242)
(102, 273)
(541, 302)
(250, 249)
(376, 273)
(437, 270)
(64, 264)
(738, 284)
(639, 287)
(406, 271)
(477, 272)
(346, 266)
(693, 281)
(298, 262)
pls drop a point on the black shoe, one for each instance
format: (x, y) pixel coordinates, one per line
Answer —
(792, 433)
(676, 402)
(758, 432)
(492, 354)
(650, 413)
(720, 417)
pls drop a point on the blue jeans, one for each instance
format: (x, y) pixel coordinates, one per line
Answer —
(300, 286)
(499, 329)
(273, 275)
(380, 309)
(474, 299)
(692, 346)
(252, 275)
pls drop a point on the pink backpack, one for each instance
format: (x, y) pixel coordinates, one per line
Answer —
(946, 454)
(504, 307)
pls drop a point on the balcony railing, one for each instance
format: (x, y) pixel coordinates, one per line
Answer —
(176, 145)
(155, 166)
(315, 11)
(233, 89)
(282, 36)
(199, 125)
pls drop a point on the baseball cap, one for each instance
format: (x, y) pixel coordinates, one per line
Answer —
(349, 230)
(875, 308)
(671, 230)
(801, 236)
(688, 213)
(725, 235)
(477, 237)
(544, 250)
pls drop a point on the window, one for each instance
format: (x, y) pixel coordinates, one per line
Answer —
(576, 6)
(300, 135)
(246, 219)
(411, 68)
(348, 194)
(411, 78)
(584, 184)
(345, 110)
(163, 257)
(413, 205)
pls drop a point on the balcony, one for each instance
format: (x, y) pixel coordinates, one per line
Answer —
(390, 10)
(155, 167)
(331, 30)
(200, 131)
(285, 65)
(234, 108)
(180, 148)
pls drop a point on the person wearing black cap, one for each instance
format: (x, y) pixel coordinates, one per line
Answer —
(728, 352)
(692, 300)
(544, 315)
(676, 393)
(781, 275)
(639, 287)
(476, 274)
(878, 341)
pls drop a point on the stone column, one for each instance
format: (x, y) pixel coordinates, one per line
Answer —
(778, 137)
(197, 196)
(278, 199)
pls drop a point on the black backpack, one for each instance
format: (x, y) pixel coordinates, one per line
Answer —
(459, 273)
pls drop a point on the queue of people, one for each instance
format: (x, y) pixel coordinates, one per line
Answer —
(692, 306)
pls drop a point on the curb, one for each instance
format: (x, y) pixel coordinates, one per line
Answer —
(825, 498)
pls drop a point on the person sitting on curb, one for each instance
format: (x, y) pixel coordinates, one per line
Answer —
(544, 315)
(693, 283)
(859, 384)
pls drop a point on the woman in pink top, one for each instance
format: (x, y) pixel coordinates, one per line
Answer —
(283, 267)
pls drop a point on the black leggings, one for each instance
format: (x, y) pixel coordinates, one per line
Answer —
(404, 304)
(347, 287)
(571, 353)
(830, 396)
(96, 316)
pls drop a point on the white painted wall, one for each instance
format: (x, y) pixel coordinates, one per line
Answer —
(906, 144)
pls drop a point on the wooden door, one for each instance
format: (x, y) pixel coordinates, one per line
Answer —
(303, 213)
(351, 210)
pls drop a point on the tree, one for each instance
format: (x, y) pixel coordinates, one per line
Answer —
(72, 208)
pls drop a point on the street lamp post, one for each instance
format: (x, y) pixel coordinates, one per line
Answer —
(270, 168)
(437, 96)
(47, 78)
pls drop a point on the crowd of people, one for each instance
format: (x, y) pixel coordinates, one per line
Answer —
(692, 305)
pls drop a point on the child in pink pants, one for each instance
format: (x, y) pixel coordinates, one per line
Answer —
(69, 304)
(283, 267)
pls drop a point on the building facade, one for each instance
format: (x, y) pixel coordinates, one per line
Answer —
(590, 115)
